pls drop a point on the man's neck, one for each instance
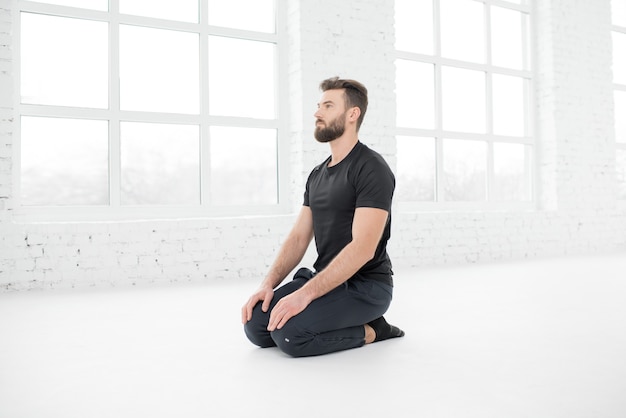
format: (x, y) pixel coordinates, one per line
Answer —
(341, 147)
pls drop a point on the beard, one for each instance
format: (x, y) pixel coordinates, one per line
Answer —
(332, 131)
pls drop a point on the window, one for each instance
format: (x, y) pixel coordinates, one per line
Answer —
(619, 92)
(133, 104)
(463, 83)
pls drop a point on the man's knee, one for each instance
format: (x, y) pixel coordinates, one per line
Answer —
(256, 329)
(290, 341)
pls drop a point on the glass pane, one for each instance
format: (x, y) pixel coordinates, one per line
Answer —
(463, 99)
(621, 173)
(508, 105)
(507, 37)
(464, 167)
(64, 161)
(619, 57)
(185, 10)
(414, 26)
(416, 169)
(415, 94)
(620, 111)
(462, 30)
(618, 10)
(258, 16)
(160, 164)
(159, 70)
(241, 78)
(243, 166)
(85, 4)
(509, 167)
(64, 61)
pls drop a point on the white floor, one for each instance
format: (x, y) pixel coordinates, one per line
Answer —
(543, 338)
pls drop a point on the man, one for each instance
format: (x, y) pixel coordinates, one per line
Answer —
(347, 206)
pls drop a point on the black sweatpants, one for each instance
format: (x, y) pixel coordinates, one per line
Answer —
(333, 322)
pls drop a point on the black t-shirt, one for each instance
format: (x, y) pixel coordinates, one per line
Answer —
(361, 179)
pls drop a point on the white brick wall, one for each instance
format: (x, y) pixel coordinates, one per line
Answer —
(6, 104)
(577, 210)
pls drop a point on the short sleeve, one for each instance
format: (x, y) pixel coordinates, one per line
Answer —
(375, 184)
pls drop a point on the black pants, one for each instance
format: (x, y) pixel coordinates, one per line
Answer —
(333, 322)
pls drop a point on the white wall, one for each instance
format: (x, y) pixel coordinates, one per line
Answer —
(577, 211)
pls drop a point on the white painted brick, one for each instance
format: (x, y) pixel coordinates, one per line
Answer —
(25, 264)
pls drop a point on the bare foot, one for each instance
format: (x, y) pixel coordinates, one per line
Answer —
(370, 334)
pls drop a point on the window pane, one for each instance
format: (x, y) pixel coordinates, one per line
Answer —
(85, 4)
(621, 173)
(508, 105)
(620, 111)
(185, 10)
(618, 9)
(464, 166)
(64, 161)
(416, 168)
(64, 61)
(509, 166)
(619, 57)
(243, 166)
(258, 16)
(462, 30)
(507, 44)
(158, 70)
(463, 99)
(415, 94)
(241, 78)
(414, 26)
(160, 164)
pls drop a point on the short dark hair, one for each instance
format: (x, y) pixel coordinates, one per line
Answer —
(355, 94)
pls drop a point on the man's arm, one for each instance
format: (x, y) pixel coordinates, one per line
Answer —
(290, 254)
(293, 249)
(367, 229)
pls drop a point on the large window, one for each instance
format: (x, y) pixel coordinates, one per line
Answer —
(619, 93)
(463, 83)
(134, 104)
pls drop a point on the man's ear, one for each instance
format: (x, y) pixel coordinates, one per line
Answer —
(354, 114)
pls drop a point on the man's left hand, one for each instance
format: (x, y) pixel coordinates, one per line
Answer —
(286, 308)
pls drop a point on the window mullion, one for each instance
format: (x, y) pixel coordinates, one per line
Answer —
(282, 108)
(490, 177)
(115, 164)
(205, 139)
(439, 190)
(437, 28)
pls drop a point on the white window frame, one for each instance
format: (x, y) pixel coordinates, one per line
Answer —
(116, 211)
(438, 133)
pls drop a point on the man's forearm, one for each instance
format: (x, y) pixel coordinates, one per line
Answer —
(290, 254)
(344, 266)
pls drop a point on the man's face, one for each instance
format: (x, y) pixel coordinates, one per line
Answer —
(330, 118)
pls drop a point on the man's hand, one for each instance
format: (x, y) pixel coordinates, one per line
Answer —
(286, 308)
(264, 294)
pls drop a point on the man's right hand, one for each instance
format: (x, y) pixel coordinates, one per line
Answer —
(263, 294)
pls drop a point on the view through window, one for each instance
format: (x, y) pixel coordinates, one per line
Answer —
(463, 87)
(144, 104)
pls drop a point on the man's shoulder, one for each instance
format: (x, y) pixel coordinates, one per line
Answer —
(368, 155)
(319, 166)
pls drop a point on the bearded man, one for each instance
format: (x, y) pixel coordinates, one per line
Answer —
(347, 210)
